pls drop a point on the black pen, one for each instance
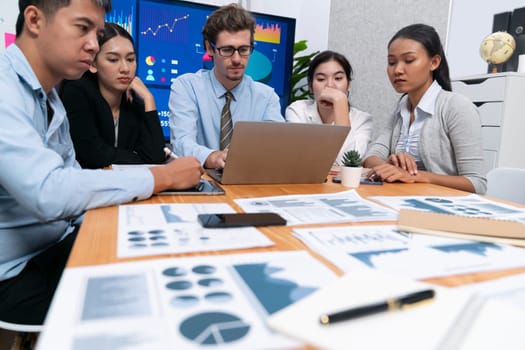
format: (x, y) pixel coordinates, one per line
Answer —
(387, 305)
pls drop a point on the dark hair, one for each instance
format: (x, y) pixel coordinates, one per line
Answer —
(326, 56)
(429, 39)
(231, 18)
(111, 30)
(49, 7)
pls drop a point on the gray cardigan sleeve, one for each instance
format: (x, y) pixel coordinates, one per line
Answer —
(451, 140)
(386, 139)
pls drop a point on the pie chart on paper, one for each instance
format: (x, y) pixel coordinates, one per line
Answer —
(213, 328)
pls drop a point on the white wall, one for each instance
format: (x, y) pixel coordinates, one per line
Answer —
(309, 15)
(8, 14)
(361, 30)
(312, 17)
(470, 22)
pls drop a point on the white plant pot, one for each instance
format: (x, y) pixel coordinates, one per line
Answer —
(350, 176)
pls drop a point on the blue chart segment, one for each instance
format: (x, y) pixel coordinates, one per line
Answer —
(273, 293)
(259, 67)
(284, 203)
(213, 328)
(366, 239)
(123, 14)
(116, 296)
(367, 258)
(417, 204)
(355, 208)
(169, 215)
(475, 248)
(474, 207)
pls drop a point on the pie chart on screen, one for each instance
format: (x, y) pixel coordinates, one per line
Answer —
(259, 67)
(150, 60)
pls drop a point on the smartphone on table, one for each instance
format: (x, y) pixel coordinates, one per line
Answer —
(218, 220)
(363, 181)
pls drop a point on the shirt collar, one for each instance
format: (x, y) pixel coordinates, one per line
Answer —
(26, 74)
(22, 67)
(427, 103)
(219, 90)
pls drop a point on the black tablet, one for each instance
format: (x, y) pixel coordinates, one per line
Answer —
(205, 187)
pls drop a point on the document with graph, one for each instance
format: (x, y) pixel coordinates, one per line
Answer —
(418, 256)
(345, 206)
(168, 228)
(471, 206)
(212, 302)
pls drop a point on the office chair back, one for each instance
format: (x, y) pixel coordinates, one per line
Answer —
(507, 183)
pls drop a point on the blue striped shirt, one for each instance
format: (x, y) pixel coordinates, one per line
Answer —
(410, 134)
(196, 102)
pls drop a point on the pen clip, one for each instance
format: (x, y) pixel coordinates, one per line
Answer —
(415, 298)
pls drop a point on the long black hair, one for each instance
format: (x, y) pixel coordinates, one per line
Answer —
(324, 57)
(111, 30)
(429, 39)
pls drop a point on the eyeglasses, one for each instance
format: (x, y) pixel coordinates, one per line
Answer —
(228, 51)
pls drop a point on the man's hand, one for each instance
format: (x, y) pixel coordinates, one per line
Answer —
(180, 173)
(216, 159)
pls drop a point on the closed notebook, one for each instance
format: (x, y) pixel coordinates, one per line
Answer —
(463, 227)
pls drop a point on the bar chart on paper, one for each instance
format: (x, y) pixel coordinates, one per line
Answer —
(384, 248)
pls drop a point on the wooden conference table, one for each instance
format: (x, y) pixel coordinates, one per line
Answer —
(97, 239)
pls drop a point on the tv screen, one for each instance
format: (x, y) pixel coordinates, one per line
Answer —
(168, 38)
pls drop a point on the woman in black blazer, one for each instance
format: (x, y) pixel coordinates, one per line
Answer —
(112, 114)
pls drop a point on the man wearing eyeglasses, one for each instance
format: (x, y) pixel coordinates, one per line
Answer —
(197, 99)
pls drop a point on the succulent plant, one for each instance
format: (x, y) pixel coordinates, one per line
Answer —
(352, 159)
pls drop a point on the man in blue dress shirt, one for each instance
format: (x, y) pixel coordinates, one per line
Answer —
(197, 99)
(43, 190)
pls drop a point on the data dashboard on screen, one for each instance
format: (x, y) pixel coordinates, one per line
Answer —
(168, 38)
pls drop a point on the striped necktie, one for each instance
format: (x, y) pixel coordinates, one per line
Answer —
(226, 122)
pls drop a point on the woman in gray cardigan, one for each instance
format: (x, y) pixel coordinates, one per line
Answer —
(434, 135)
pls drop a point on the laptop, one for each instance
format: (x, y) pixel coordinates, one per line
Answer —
(280, 153)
